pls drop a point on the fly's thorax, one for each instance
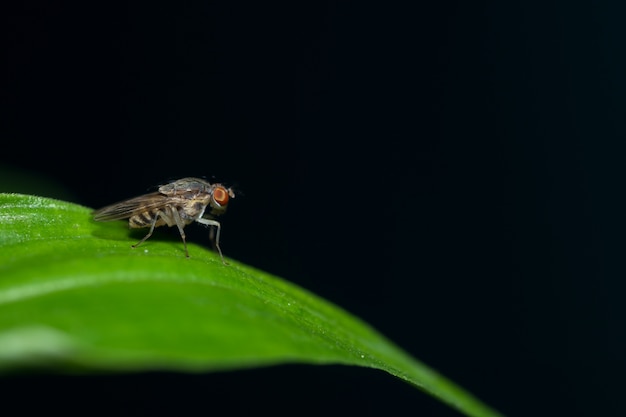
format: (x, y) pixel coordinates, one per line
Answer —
(194, 207)
(187, 186)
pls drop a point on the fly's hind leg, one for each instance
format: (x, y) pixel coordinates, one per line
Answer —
(154, 220)
(177, 219)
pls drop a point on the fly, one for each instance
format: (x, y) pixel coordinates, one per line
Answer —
(179, 203)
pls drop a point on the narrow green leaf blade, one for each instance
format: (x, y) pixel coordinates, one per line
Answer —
(73, 294)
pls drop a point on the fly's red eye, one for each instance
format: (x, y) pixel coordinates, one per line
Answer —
(220, 195)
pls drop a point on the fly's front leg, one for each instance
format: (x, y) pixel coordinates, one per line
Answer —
(210, 222)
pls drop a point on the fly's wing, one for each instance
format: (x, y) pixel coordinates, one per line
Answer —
(127, 208)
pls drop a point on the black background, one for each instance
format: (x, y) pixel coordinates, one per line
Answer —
(451, 172)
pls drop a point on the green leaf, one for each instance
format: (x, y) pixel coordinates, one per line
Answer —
(75, 295)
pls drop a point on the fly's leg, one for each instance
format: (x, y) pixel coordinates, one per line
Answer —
(180, 225)
(212, 237)
(156, 217)
(210, 222)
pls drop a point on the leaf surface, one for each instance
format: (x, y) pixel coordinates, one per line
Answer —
(75, 295)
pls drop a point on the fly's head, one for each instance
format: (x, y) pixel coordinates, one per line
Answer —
(220, 196)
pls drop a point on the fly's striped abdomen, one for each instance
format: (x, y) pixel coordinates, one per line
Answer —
(145, 218)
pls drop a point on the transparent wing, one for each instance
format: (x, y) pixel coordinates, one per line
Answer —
(127, 208)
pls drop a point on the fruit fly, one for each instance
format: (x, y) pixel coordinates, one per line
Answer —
(179, 203)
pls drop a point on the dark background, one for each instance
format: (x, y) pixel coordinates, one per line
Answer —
(451, 172)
